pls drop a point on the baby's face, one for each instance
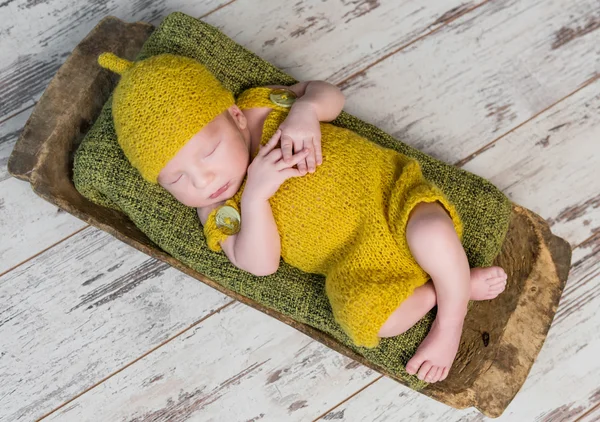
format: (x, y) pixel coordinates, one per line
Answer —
(211, 166)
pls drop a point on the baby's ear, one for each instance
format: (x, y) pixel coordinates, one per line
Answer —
(238, 117)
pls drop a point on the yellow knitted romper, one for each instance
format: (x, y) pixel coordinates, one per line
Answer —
(347, 221)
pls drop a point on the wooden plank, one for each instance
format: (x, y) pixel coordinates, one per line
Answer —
(455, 91)
(32, 53)
(82, 311)
(593, 414)
(550, 165)
(291, 35)
(206, 375)
(28, 223)
(9, 132)
(562, 383)
(317, 40)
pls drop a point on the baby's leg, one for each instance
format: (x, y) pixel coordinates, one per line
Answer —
(436, 247)
(485, 284)
(410, 311)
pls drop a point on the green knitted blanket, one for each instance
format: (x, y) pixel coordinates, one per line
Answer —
(103, 175)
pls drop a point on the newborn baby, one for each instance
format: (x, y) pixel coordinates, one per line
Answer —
(270, 180)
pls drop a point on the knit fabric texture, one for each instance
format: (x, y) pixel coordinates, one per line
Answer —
(159, 104)
(347, 222)
(103, 174)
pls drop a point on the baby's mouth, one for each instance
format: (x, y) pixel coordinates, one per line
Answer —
(220, 191)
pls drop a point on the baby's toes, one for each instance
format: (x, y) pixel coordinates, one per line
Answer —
(414, 364)
(495, 286)
(498, 272)
(493, 281)
(497, 283)
(424, 370)
(497, 289)
(431, 374)
(438, 374)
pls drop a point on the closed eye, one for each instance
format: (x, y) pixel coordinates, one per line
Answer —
(172, 183)
(217, 146)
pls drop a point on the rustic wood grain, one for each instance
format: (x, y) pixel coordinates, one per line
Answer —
(455, 91)
(204, 375)
(37, 36)
(540, 164)
(48, 170)
(82, 311)
(9, 132)
(32, 55)
(28, 223)
(593, 414)
(333, 40)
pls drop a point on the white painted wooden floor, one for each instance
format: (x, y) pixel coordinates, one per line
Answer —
(92, 330)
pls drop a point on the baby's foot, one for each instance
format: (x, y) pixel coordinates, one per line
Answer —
(436, 353)
(487, 283)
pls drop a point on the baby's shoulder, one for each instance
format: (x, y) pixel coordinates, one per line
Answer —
(297, 89)
(267, 96)
(256, 102)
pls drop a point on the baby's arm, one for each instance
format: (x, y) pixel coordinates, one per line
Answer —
(326, 99)
(256, 248)
(317, 101)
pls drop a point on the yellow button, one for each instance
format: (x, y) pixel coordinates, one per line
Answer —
(228, 220)
(283, 97)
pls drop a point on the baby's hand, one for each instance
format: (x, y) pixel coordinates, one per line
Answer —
(300, 130)
(268, 170)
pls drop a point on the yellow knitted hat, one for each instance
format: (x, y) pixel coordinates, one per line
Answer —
(159, 104)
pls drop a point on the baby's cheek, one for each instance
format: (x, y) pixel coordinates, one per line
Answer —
(241, 160)
(189, 199)
(179, 196)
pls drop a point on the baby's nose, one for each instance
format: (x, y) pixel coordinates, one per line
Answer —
(203, 179)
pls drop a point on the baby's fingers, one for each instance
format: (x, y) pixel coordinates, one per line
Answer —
(286, 147)
(291, 172)
(268, 147)
(295, 159)
(311, 160)
(317, 145)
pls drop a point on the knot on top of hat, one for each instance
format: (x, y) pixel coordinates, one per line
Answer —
(115, 63)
